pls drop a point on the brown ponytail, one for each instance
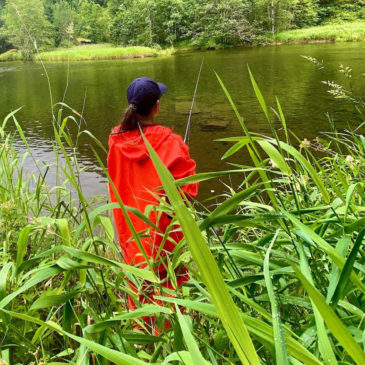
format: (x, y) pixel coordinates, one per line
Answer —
(133, 118)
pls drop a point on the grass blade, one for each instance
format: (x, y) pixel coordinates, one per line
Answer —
(116, 357)
(347, 269)
(324, 344)
(208, 268)
(280, 346)
(22, 244)
(335, 325)
(276, 157)
(195, 354)
(326, 247)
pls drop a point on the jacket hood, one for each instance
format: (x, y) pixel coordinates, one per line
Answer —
(131, 144)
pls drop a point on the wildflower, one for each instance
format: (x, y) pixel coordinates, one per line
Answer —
(49, 282)
(272, 163)
(305, 143)
(35, 354)
(7, 207)
(302, 181)
(316, 62)
(346, 71)
(351, 161)
(337, 90)
(317, 144)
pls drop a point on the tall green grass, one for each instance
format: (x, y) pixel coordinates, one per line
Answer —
(91, 52)
(277, 268)
(342, 32)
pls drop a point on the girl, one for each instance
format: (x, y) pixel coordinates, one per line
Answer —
(135, 178)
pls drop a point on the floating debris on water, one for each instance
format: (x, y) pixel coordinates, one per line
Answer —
(214, 125)
(183, 107)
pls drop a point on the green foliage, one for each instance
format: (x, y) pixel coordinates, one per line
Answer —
(26, 26)
(305, 13)
(342, 10)
(276, 268)
(63, 21)
(4, 45)
(92, 22)
(164, 23)
(222, 22)
(91, 52)
(342, 32)
(168, 21)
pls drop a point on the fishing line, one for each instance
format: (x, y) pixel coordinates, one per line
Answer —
(187, 131)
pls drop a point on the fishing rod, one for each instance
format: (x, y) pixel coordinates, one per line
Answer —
(187, 131)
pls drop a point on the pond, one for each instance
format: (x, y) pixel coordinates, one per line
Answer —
(98, 89)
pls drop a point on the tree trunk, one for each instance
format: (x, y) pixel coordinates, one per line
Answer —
(272, 16)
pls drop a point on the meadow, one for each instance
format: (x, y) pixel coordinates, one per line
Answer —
(333, 32)
(277, 267)
(89, 52)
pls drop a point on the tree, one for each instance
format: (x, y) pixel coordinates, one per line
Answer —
(63, 18)
(3, 43)
(130, 25)
(92, 22)
(305, 13)
(26, 26)
(221, 22)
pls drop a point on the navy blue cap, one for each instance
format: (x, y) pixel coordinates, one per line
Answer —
(144, 92)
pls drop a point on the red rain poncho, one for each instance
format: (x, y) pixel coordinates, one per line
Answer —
(135, 178)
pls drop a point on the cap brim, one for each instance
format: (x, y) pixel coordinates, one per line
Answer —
(162, 87)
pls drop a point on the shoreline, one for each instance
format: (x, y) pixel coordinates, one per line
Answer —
(330, 33)
(94, 52)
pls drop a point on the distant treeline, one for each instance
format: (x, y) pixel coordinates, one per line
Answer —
(54, 23)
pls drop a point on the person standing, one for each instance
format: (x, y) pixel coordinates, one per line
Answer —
(136, 180)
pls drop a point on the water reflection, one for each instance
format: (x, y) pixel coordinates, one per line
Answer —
(98, 89)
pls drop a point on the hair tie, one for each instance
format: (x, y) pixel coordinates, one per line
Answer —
(133, 107)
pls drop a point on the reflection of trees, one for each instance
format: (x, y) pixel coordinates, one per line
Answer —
(279, 71)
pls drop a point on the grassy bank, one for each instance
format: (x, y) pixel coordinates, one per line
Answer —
(345, 32)
(90, 52)
(277, 268)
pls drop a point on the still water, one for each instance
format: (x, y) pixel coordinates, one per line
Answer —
(98, 89)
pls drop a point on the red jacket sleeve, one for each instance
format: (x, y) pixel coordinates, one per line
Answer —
(183, 166)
